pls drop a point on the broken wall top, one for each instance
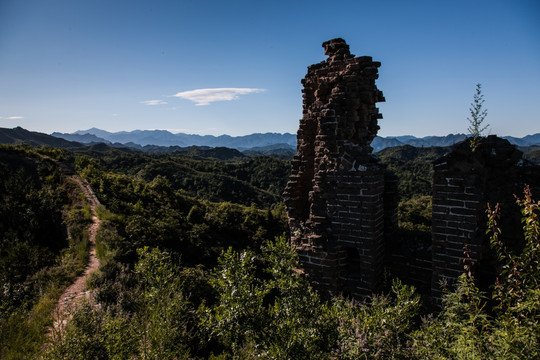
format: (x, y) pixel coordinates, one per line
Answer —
(492, 152)
(340, 96)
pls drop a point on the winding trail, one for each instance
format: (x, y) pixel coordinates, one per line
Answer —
(77, 291)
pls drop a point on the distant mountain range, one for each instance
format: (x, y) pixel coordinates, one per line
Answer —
(166, 138)
(19, 135)
(380, 143)
(256, 142)
(271, 144)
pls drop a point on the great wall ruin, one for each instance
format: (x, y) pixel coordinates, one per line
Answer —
(342, 202)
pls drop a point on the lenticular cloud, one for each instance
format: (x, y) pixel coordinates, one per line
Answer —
(153, 102)
(203, 97)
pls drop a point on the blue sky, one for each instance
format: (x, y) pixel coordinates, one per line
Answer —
(67, 65)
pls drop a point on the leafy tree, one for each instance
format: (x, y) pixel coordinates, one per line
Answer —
(301, 326)
(166, 312)
(379, 329)
(238, 317)
(478, 114)
(517, 289)
(265, 309)
(466, 328)
(459, 331)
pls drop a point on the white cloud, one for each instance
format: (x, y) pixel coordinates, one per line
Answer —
(154, 102)
(203, 97)
(12, 117)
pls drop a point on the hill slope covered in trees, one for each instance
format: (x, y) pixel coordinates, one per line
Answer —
(186, 274)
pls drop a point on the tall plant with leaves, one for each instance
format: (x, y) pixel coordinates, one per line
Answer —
(166, 313)
(517, 290)
(520, 273)
(238, 317)
(478, 115)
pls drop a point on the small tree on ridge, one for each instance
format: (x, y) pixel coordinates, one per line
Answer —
(477, 118)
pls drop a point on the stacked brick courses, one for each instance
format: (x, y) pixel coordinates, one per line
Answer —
(464, 182)
(335, 197)
(342, 203)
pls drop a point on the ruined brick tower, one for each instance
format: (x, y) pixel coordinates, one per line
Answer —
(464, 182)
(335, 197)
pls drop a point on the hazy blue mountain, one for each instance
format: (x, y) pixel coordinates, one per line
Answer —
(529, 140)
(532, 139)
(166, 138)
(402, 138)
(19, 135)
(263, 143)
(219, 147)
(94, 131)
(517, 141)
(81, 138)
(380, 143)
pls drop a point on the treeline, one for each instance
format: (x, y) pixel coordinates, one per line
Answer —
(43, 243)
(195, 268)
(45, 215)
(157, 214)
(256, 304)
(245, 181)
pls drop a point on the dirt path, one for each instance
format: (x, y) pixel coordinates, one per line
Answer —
(77, 291)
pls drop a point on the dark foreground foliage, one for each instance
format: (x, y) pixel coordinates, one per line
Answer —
(43, 243)
(245, 181)
(255, 304)
(413, 167)
(186, 278)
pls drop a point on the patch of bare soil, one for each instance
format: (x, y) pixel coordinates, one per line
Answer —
(78, 291)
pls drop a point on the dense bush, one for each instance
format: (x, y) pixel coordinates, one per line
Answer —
(260, 181)
(257, 305)
(43, 243)
(413, 167)
(155, 214)
(183, 277)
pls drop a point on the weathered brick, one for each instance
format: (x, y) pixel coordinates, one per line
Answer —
(336, 191)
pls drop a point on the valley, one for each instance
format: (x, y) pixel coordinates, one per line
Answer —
(193, 260)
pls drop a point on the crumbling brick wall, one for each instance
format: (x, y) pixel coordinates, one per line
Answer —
(464, 182)
(335, 197)
(342, 203)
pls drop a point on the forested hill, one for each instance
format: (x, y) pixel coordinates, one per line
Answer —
(166, 138)
(413, 167)
(142, 138)
(240, 180)
(43, 242)
(224, 174)
(19, 135)
(184, 277)
(224, 147)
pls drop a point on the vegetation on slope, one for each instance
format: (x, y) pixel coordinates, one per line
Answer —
(413, 166)
(256, 305)
(43, 243)
(258, 181)
(533, 155)
(186, 277)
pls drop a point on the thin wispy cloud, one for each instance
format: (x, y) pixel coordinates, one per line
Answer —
(11, 117)
(202, 97)
(154, 102)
